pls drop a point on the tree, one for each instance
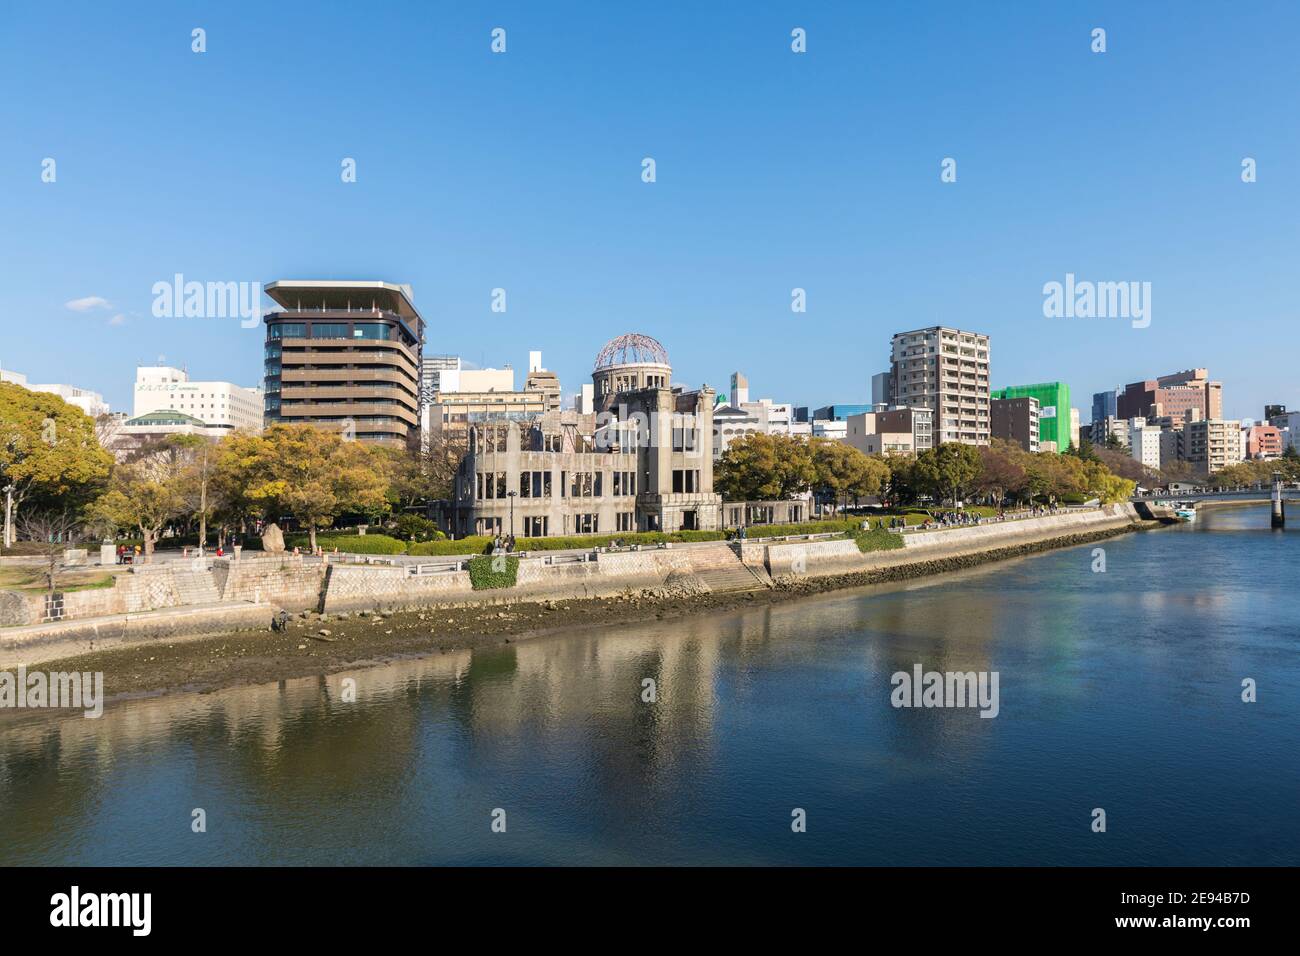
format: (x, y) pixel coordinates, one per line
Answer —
(52, 530)
(948, 469)
(1109, 487)
(1053, 476)
(197, 467)
(762, 467)
(49, 454)
(1125, 465)
(426, 473)
(902, 487)
(843, 472)
(1002, 470)
(1177, 471)
(1084, 451)
(441, 452)
(300, 470)
(143, 496)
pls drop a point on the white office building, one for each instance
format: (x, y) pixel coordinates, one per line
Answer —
(1144, 443)
(92, 403)
(739, 416)
(222, 407)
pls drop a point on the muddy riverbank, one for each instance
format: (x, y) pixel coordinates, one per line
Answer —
(321, 644)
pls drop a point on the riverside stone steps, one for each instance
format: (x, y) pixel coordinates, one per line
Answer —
(720, 569)
(195, 587)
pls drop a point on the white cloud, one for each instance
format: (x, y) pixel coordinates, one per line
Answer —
(88, 303)
(117, 319)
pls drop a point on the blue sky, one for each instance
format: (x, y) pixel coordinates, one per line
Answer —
(774, 171)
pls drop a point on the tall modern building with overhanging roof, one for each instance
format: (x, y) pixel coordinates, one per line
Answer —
(345, 355)
(1053, 411)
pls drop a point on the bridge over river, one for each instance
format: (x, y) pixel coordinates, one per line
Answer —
(1276, 493)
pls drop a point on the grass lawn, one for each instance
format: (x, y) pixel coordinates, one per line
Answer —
(28, 578)
(921, 515)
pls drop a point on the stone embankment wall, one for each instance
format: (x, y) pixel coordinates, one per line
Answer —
(285, 580)
(554, 577)
(30, 644)
(159, 601)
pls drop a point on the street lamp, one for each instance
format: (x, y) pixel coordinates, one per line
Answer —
(511, 496)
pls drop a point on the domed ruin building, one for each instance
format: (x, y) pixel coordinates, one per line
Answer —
(640, 460)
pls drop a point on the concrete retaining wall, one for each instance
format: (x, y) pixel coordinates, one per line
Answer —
(145, 600)
(355, 587)
(1009, 533)
(835, 556)
(33, 643)
(839, 556)
(283, 580)
(350, 587)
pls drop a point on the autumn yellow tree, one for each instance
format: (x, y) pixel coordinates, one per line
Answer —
(310, 473)
(145, 496)
(49, 454)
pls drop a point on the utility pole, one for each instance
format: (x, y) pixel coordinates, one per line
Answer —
(511, 496)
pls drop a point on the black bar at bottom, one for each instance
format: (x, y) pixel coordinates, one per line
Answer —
(213, 905)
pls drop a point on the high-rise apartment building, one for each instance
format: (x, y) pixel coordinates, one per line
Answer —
(1264, 441)
(1017, 420)
(345, 355)
(1211, 444)
(947, 371)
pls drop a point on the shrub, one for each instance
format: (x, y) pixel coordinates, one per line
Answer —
(410, 526)
(831, 526)
(474, 544)
(877, 539)
(355, 544)
(497, 571)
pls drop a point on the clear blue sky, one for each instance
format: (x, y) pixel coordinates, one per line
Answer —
(775, 170)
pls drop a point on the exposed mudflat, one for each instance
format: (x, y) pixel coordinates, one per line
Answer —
(316, 644)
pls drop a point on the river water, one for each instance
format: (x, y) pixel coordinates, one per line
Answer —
(1119, 690)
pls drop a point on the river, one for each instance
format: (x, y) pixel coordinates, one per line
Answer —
(1118, 689)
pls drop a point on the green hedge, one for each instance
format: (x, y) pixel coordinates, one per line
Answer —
(474, 544)
(479, 544)
(483, 576)
(833, 526)
(355, 544)
(562, 542)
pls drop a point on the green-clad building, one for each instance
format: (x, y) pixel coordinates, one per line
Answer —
(1053, 409)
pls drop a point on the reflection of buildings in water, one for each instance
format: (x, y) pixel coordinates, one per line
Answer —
(268, 735)
(592, 684)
